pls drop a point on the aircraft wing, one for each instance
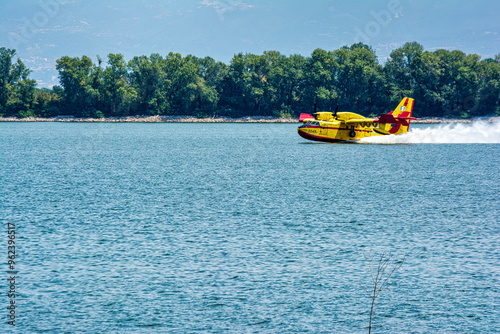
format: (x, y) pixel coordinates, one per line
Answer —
(388, 118)
(305, 116)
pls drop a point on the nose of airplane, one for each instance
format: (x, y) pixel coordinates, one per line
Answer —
(301, 131)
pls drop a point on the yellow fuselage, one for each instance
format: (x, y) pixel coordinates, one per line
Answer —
(345, 126)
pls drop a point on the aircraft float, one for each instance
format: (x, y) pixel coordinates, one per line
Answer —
(347, 126)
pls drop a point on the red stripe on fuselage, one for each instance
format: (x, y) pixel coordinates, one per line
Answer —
(325, 127)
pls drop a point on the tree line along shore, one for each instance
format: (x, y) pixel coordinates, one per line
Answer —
(269, 87)
(217, 119)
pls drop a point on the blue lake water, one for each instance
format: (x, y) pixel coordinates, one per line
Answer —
(245, 228)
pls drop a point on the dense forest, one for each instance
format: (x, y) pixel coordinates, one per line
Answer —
(443, 83)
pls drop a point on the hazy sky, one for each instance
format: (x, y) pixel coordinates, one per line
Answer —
(44, 30)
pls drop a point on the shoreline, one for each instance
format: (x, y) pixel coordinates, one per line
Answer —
(192, 119)
(154, 119)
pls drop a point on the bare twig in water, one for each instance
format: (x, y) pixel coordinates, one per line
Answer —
(380, 274)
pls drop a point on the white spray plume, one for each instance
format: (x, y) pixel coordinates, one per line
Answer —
(477, 132)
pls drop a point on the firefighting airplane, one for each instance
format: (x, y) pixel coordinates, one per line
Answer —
(347, 126)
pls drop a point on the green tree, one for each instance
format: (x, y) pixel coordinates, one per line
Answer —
(281, 82)
(448, 84)
(46, 103)
(17, 91)
(213, 72)
(22, 91)
(403, 68)
(257, 84)
(234, 93)
(79, 97)
(290, 79)
(320, 71)
(360, 81)
(488, 96)
(150, 81)
(116, 94)
(6, 76)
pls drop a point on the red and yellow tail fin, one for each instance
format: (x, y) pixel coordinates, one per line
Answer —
(404, 108)
(397, 121)
(403, 115)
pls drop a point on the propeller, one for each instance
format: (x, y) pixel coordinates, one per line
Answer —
(336, 109)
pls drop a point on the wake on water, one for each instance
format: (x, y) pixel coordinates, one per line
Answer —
(478, 132)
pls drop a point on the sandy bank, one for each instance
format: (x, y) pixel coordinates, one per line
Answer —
(155, 119)
(191, 119)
